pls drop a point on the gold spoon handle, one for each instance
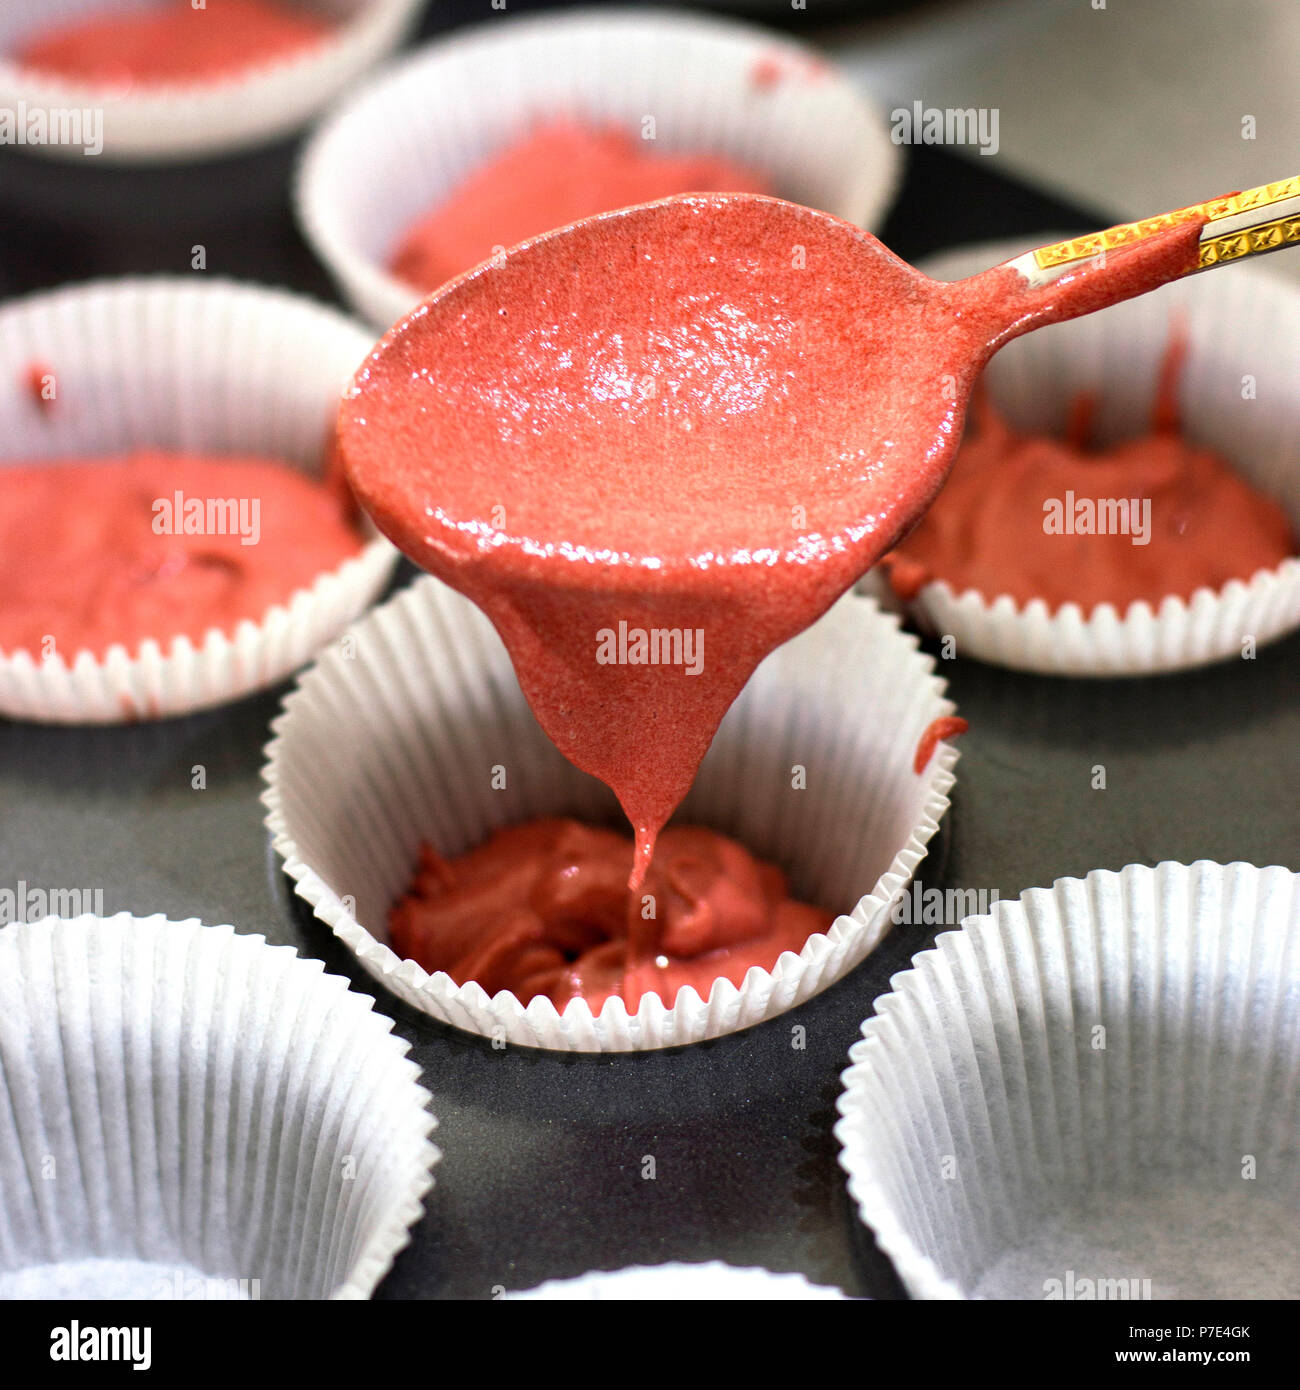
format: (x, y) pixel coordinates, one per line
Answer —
(1237, 225)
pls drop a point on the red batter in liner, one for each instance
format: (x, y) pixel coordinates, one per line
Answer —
(560, 173)
(173, 42)
(91, 554)
(1024, 514)
(947, 726)
(541, 908)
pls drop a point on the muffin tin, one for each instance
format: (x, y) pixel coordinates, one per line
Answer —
(545, 1174)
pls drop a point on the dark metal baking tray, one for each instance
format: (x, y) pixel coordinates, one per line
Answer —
(541, 1175)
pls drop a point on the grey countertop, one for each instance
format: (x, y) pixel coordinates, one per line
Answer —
(1137, 106)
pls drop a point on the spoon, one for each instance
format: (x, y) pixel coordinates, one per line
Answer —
(1253, 223)
(702, 418)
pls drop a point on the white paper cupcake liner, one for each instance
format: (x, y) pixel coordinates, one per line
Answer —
(688, 1283)
(186, 1112)
(388, 155)
(1241, 322)
(1091, 1092)
(188, 365)
(392, 740)
(192, 120)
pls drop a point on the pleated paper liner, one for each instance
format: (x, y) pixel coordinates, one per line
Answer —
(200, 365)
(712, 1282)
(190, 120)
(1236, 397)
(187, 1112)
(391, 739)
(711, 85)
(1091, 1093)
